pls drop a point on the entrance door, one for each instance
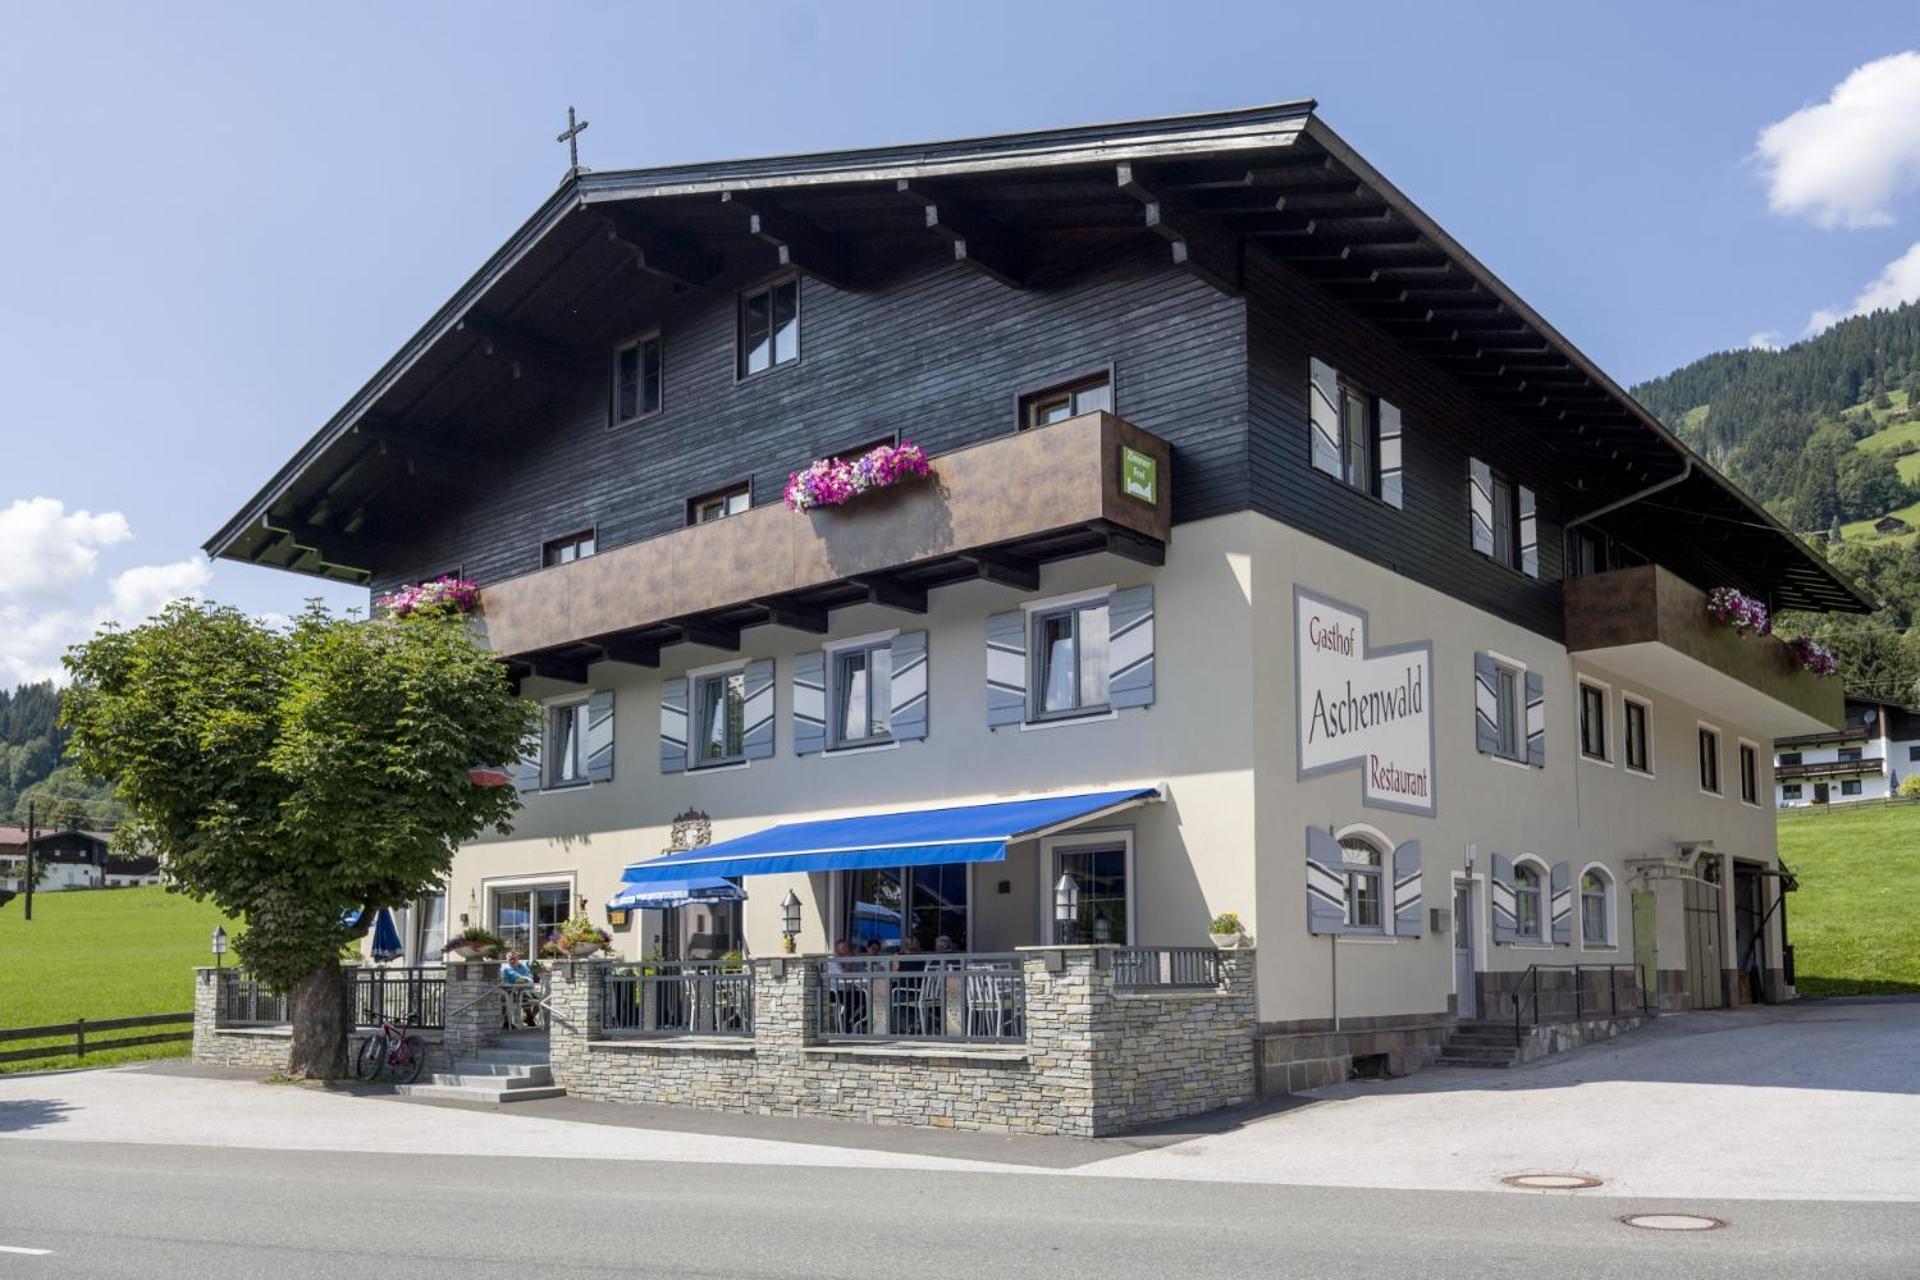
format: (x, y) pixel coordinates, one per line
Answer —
(1819, 793)
(1749, 937)
(1703, 943)
(1465, 983)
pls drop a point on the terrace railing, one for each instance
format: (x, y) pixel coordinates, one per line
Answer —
(1142, 968)
(971, 996)
(415, 997)
(240, 1001)
(678, 998)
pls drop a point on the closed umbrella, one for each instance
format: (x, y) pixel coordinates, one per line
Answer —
(386, 938)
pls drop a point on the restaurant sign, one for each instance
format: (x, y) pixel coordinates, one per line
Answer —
(1363, 706)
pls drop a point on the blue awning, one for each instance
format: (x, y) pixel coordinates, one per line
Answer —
(919, 838)
(675, 893)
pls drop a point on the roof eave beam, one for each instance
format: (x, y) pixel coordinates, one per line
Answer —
(658, 252)
(1199, 245)
(797, 243)
(978, 241)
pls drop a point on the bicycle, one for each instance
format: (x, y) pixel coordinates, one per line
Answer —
(393, 1048)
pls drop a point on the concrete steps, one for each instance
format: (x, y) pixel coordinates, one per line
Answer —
(497, 1076)
(1479, 1044)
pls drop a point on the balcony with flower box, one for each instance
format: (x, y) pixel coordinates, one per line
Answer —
(998, 511)
(1649, 625)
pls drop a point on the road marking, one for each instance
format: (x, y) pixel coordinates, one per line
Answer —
(32, 1253)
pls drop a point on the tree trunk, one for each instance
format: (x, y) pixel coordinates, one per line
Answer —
(319, 1047)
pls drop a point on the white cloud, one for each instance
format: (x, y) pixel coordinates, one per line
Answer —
(1765, 340)
(139, 593)
(45, 551)
(1898, 283)
(1841, 162)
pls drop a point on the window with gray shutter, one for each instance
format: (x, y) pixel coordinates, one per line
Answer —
(756, 739)
(1007, 668)
(1390, 437)
(1560, 880)
(526, 770)
(1130, 648)
(1406, 890)
(1529, 535)
(810, 702)
(1480, 504)
(1326, 883)
(910, 688)
(673, 725)
(600, 736)
(1536, 720)
(1500, 899)
(1486, 703)
(1323, 413)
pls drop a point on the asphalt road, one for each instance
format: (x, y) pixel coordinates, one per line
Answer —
(157, 1212)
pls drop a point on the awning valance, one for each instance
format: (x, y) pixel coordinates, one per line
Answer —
(918, 838)
(675, 893)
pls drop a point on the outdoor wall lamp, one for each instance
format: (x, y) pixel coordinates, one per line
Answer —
(789, 919)
(1066, 900)
(219, 944)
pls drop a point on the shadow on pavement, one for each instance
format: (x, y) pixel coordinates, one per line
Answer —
(22, 1114)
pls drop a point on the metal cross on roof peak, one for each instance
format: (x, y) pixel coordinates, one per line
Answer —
(571, 136)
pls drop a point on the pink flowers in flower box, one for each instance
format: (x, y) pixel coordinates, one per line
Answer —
(442, 593)
(832, 482)
(1739, 611)
(1814, 656)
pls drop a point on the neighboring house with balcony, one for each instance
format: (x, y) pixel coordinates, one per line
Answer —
(1864, 760)
(1277, 559)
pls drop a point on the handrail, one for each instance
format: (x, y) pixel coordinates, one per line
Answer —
(1531, 980)
(499, 988)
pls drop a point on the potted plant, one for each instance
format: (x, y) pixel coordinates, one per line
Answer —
(1226, 930)
(473, 943)
(579, 938)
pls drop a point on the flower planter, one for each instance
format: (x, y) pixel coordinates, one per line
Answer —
(1228, 941)
(470, 954)
(582, 950)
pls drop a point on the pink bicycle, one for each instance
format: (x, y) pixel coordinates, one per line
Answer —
(391, 1049)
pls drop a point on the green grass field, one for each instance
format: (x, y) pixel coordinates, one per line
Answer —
(1855, 920)
(1896, 401)
(102, 953)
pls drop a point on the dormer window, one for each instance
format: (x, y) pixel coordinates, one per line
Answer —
(636, 379)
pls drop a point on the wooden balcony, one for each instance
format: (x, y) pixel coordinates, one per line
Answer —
(1829, 769)
(996, 510)
(1650, 626)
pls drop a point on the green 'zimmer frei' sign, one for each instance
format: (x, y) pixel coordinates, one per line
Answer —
(1139, 476)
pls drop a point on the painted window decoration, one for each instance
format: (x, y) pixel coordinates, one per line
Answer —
(1635, 742)
(862, 694)
(574, 746)
(1355, 437)
(1509, 711)
(637, 379)
(1593, 721)
(1356, 885)
(714, 718)
(1069, 400)
(1080, 658)
(1528, 899)
(1596, 927)
(1100, 873)
(769, 326)
(1503, 518)
(1749, 773)
(1709, 760)
(834, 482)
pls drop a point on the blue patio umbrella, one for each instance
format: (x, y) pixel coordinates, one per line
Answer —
(386, 938)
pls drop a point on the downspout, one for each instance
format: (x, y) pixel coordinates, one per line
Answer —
(1631, 498)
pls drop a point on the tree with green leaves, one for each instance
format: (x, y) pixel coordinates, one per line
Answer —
(295, 777)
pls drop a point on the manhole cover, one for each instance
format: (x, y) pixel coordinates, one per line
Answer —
(1672, 1222)
(1551, 1181)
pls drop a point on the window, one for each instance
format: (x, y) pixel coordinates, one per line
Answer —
(862, 695)
(718, 506)
(1850, 787)
(891, 904)
(1099, 871)
(1057, 404)
(1589, 552)
(566, 753)
(1635, 744)
(566, 550)
(524, 917)
(1509, 740)
(636, 379)
(1596, 922)
(1364, 874)
(1527, 906)
(1070, 660)
(1709, 760)
(1506, 520)
(1791, 791)
(1789, 757)
(720, 719)
(1593, 721)
(1849, 755)
(1913, 755)
(1749, 773)
(769, 326)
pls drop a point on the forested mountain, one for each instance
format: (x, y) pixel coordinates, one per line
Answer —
(1826, 433)
(31, 743)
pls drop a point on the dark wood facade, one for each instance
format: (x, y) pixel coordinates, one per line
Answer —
(1202, 261)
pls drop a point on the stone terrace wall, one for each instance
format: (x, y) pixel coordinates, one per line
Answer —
(255, 1048)
(1096, 1061)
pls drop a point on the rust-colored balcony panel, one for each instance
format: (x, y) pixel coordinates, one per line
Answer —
(1653, 627)
(1016, 495)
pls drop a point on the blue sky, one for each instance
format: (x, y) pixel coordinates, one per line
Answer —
(219, 219)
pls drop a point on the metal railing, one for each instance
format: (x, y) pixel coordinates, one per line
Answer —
(967, 996)
(405, 997)
(240, 1001)
(1529, 987)
(1137, 968)
(678, 998)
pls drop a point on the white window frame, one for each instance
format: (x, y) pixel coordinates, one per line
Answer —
(1383, 844)
(1605, 690)
(832, 651)
(1544, 915)
(576, 702)
(767, 286)
(1518, 670)
(637, 343)
(490, 888)
(1859, 786)
(1646, 713)
(1719, 760)
(1031, 611)
(1049, 868)
(693, 677)
(1791, 792)
(1745, 745)
(1611, 907)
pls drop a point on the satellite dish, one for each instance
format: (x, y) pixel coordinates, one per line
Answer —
(1871, 715)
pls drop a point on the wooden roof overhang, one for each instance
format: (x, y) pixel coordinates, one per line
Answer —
(531, 327)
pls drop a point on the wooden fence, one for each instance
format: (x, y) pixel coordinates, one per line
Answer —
(1849, 806)
(82, 1028)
